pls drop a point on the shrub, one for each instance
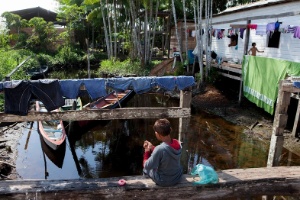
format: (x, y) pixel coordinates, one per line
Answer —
(127, 67)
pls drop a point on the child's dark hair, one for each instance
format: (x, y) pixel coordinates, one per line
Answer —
(253, 44)
(162, 126)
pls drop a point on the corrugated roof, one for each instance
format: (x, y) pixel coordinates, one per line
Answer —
(253, 5)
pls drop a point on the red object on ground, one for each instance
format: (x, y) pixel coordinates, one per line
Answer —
(122, 182)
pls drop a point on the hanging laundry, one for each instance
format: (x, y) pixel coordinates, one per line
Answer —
(270, 27)
(221, 34)
(261, 30)
(277, 25)
(233, 40)
(242, 32)
(213, 33)
(17, 95)
(252, 26)
(290, 29)
(297, 32)
(194, 33)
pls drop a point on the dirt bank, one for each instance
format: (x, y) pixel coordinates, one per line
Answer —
(257, 122)
(10, 136)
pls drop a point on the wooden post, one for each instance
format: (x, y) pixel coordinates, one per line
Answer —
(296, 122)
(279, 124)
(247, 38)
(241, 90)
(185, 102)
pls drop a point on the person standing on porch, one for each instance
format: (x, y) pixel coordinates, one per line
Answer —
(253, 50)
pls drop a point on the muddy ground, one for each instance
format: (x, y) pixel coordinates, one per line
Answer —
(212, 99)
(9, 138)
(256, 122)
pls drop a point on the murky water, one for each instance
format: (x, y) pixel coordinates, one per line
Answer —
(115, 148)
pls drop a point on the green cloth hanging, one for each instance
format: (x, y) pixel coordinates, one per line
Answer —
(261, 78)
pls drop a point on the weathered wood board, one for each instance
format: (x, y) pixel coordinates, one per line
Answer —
(102, 114)
(232, 183)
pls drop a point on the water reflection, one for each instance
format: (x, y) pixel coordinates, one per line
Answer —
(115, 149)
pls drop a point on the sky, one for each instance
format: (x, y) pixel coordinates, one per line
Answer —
(11, 5)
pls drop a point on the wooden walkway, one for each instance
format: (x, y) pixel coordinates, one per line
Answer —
(235, 183)
(232, 71)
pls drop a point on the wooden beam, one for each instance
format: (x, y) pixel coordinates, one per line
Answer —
(240, 91)
(246, 43)
(275, 150)
(185, 102)
(287, 86)
(233, 183)
(103, 114)
(231, 76)
(280, 120)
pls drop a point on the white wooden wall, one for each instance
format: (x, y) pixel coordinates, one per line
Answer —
(289, 47)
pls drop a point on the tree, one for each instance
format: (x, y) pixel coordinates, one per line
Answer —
(43, 34)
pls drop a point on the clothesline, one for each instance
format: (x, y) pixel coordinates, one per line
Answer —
(18, 93)
(261, 29)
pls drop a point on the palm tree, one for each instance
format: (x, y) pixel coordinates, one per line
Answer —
(115, 27)
(198, 28)
(154, 29)
(108, 49)
(176, 30)
(185, 32)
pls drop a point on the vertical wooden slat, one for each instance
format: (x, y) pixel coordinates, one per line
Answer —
(279, 124)
(247, 38)
(185, 102)
(296, 122)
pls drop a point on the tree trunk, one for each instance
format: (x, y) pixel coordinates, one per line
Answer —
(115, 29)
(105, 30)
(185, 34)
(176, 30)
(154, 30)
(136, 42)
(109, 31)
(199, 46)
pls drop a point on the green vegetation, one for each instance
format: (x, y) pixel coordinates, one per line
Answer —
(119, 68)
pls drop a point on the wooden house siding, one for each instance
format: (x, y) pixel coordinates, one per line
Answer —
(287, 13)
(173, 39)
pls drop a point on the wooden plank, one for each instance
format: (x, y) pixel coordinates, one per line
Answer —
(246, 42)
(280, 120)
(233, 183)
(240, 91)
(275, 150)
(228, 68)
(231, 76)
(287, 86)
(185, 102)
(103, 114)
